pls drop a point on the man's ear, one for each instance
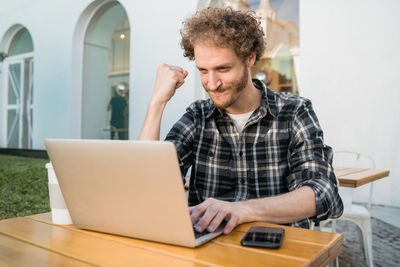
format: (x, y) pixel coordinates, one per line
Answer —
(251, 60)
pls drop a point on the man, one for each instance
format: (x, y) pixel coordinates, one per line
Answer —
(117, 106)
(256, 155)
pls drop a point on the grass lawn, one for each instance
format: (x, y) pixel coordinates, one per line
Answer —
(23, 186)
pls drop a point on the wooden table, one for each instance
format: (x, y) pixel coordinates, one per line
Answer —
(35, 241)
(351, 178)
(355, 177)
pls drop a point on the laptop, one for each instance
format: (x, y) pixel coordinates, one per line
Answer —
(127, 188)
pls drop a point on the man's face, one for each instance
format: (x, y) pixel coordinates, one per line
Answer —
(223, 74)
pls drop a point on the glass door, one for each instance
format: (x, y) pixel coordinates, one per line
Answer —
(19, 107)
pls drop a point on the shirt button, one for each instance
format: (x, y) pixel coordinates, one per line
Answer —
(241, 153)
(242, 180)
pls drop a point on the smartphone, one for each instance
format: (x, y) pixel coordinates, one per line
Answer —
(264, 237)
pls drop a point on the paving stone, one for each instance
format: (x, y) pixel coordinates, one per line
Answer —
(385, 244)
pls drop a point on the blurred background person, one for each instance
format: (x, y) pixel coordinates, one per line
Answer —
(118, 106)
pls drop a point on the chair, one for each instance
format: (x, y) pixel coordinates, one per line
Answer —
(352, 212)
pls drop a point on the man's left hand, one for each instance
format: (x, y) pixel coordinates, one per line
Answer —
(210, 213)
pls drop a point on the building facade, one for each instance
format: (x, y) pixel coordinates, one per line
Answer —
(60, 64)
(58, 69)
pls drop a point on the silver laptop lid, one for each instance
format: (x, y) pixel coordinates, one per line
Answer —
(129, 188)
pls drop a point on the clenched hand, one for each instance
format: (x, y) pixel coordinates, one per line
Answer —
(168, 79)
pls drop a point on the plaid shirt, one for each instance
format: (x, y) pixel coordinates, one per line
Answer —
(281, 149)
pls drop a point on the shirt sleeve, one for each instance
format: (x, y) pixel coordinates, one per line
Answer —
(182, 135)
(310, 162)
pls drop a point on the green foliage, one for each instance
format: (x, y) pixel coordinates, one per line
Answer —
(23, 186)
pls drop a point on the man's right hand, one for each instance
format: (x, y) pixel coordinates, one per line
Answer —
(168, 79)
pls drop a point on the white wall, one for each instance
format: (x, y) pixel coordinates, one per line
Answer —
(51, 24)
(154, 39)
(349, 69)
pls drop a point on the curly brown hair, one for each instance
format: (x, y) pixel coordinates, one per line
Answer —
(223, 27)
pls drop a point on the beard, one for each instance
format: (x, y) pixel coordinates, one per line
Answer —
(235, 88)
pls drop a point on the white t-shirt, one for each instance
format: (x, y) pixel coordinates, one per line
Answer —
(240, 120)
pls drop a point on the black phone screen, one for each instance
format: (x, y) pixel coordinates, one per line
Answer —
(268, 237)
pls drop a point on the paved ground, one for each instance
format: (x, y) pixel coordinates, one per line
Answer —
(385, 244)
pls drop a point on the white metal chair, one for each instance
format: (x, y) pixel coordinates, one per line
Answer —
(352, 212)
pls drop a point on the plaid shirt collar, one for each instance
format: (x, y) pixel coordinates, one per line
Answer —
(268, 104)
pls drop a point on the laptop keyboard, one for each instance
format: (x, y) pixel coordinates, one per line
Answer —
(205, 232)
(199, 234)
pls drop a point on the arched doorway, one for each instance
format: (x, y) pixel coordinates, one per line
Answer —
(106, 72)
(17, 119)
